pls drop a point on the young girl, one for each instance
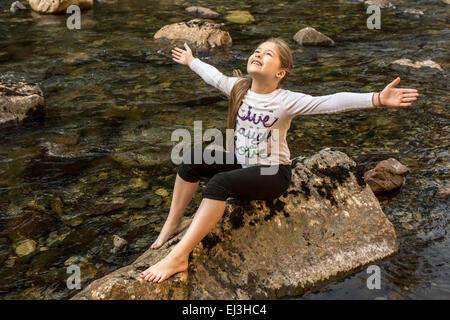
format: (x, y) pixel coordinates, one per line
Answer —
(258, 107)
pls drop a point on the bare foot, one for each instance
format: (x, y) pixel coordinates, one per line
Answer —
(168, 231)
(165, 268)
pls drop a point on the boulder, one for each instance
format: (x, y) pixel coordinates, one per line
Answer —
(17, 6)
(383, 4)
(57, 6)
(419, 69)
(311, 37)
(324, 226)
(388, 175)
(203, 12)
(20, 101)
(200, 33)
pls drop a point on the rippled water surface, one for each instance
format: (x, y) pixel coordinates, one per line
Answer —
(112, 102)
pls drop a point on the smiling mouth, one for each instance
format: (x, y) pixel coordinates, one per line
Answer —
(257, 63)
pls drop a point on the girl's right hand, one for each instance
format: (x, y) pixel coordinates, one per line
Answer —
(183, 56)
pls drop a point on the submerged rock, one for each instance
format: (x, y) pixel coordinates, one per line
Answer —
(203, 12)
(20, 101)
(325, 225)
(240, 17)
(411, 13)
(388, 175)
(202, 34)
(311, 37)
(25, 247)
(4, 56)
(56, 6)
(420, 69)
(119, 244)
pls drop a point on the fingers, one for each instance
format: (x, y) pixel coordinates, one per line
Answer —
(187, 47)
(394, 83)
(405, 104)
(409, 95)
(408, 99)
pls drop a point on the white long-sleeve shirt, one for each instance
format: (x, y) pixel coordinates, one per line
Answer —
(264, 119)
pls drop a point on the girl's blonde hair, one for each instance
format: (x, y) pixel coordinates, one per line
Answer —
(243, 85)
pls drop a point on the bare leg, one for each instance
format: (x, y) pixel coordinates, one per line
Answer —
(183, 192)
(208, 214)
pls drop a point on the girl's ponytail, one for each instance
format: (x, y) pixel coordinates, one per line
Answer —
(237, 94)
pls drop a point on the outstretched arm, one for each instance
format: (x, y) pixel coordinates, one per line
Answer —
(299, 103)
(209, 74)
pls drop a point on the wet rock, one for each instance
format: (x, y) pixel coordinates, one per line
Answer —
(203, 12)
(71, 260)
(20, 101)
(25, 247)
(119, 244)
(138, 183)
(410, 13)
(420, 69)
(17, 6)
(383, 4)
(56, 6)
(240, 17)
(162, 192)
(311, 37)
(96, 209)
(325, 225)
(4, 56)
(29, 223)
(202, 34)
(388, 175)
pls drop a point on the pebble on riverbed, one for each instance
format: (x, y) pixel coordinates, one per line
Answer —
(25, 247)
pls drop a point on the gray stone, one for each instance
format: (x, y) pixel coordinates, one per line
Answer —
(311, 37)
(203, 12)
(17, 6)
(324, 226)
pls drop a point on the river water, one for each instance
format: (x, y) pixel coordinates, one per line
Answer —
(99, 163)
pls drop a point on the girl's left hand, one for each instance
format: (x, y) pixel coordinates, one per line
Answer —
(397, 97)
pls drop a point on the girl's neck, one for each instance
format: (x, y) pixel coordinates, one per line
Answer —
(263, 87)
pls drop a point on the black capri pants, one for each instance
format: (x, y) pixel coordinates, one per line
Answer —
(232, 180)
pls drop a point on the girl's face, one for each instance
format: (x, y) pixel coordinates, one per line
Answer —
(265, 63)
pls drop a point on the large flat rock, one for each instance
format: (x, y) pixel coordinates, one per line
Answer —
(326, 225)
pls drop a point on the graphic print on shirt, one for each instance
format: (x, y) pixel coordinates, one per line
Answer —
(254, 133)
